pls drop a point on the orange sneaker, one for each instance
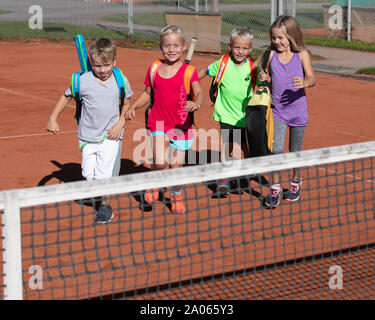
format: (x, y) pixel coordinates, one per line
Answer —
(178, 205)
(151, 195)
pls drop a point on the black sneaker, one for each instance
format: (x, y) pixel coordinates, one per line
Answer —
(294, 191)
(272, 199)
(223, 187)
(104, 214)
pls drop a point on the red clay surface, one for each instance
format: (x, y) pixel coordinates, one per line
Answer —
(340, 113)
(340, 109)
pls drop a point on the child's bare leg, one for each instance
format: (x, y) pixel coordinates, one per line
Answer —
(225, 152)
(236, 151)
(159, 147)
(176, 160)
(245, 150)
(159, 162)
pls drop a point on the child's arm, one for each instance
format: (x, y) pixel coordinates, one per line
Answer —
(309, 80)
(114, 133)
(142, 99)
(199, 97)
(203, 73)
(52, 125)
(264, 74)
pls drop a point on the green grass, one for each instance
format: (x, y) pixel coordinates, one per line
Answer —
(190, 3)
(151, 19)
(257, 20)
(368, 71)
(340, 43)
(310, 18)
(230, 20)
(4, 11)
(66, 31)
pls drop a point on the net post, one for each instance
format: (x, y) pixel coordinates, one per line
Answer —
(12, 247)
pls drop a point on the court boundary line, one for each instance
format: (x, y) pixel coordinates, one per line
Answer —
(354, 135)
(35, 135)
(31, 96)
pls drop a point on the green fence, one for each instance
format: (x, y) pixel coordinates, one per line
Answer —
(62, 19)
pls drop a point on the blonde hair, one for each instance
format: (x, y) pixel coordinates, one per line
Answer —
(292, 31)
(103, 50)
(241, 32)
(172, 29)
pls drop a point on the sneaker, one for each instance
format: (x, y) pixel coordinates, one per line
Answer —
(104, 214)
(223, 186)
(272, 199)
(90, 202)
(294, 191)
(177, 203)
(151, 195)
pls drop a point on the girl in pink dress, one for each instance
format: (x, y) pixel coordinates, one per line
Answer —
(169, 122)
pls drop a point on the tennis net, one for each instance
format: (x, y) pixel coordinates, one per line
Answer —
(222, 247)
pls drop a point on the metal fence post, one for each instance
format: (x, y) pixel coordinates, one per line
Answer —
(349, 27)
(273, 11)
(196, 5)
(215, 5)
(130, 20)
(280, 7)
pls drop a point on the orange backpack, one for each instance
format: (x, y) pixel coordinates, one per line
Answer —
(187, 78)
(220, 73)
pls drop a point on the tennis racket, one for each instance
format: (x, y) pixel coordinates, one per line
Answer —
(189, 55)
(84, 60)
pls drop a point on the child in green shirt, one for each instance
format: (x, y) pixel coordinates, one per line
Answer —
(233, 94)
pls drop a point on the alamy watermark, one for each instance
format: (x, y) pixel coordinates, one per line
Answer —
(36, 19)
(206, 141)
(335, 20)
(36, 280)
(336, 280)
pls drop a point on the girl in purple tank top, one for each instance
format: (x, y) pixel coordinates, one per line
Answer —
(289, 71)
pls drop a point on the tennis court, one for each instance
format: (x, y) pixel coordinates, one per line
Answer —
(222, 247)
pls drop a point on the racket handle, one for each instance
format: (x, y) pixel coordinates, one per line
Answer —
(189, 55)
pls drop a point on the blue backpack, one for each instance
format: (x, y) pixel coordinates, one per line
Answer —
(86, 67)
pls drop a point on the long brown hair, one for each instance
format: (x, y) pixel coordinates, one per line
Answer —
(292, 31)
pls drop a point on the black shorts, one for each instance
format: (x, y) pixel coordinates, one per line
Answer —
(232, 134)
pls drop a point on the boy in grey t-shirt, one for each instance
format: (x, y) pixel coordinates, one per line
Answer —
(101, 127)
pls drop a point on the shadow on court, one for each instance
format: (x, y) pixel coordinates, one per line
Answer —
(237, 185)
(72, 172)
(68, 172)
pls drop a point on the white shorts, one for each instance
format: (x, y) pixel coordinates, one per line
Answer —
(98, 159)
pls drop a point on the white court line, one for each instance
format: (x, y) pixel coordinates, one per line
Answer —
(35, 135)
(348, 175)
(213, 143)
(37, 98)
(31, 96)
(353, 134)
